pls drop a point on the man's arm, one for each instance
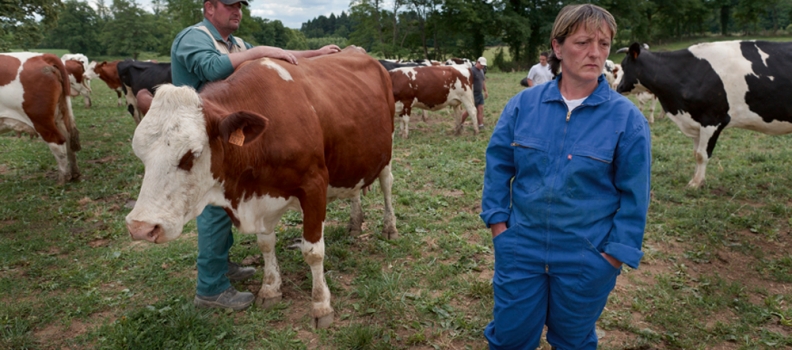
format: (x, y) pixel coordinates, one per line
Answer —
(530, 82)
(278, 53)
(484, 88)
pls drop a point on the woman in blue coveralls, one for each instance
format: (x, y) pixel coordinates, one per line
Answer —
(566, 191)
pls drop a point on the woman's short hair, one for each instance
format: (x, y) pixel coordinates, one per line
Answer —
(570, 18)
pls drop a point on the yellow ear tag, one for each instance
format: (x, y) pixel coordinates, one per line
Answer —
(237, 138)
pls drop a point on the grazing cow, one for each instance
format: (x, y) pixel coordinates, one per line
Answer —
(433, 88)
(80, 84)
(34, 98)
(136, 76)
(84, 87)
(271, 137)
(108, 72)
(713, 86)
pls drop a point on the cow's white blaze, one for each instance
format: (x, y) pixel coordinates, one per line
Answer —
(282, 72)
(170, 196)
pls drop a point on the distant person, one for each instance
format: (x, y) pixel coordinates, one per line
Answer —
(566, 193)
(200, 54)
(540, 73)
(479, 91)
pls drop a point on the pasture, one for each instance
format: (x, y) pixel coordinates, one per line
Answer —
(717, 273)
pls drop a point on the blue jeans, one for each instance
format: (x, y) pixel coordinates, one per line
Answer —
(214, 241)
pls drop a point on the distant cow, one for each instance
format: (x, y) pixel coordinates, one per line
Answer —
(269, 138)
(34, 98)
(136, 76)
(709, 87)
(433, 88)
(108, 72)
(79, 82)
(83, 84)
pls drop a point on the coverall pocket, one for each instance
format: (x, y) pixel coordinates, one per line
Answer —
(531, 160)
(597, 275)
(503, 245)
(589, 172)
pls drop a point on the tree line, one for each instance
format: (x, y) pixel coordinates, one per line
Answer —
(434, 29)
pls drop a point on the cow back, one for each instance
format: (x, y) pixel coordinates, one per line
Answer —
(341, 103)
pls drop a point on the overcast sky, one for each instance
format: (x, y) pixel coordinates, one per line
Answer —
(291, 12)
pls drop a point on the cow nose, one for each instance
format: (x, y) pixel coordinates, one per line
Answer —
(140, 230)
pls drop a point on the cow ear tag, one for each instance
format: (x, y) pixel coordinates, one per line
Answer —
(237, 137)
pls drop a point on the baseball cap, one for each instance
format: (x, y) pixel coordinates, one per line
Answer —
(482, 60)
(231, 2)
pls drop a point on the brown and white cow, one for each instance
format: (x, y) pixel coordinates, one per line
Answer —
(79, 82)
(108, 72)
(271, 137)
(87, 75)
(433, 88)
(34, 98)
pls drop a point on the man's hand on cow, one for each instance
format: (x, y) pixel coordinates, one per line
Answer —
(144, 98)
(328, 49)
(284, 55)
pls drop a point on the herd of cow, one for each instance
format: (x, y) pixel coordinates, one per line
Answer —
(276, 136)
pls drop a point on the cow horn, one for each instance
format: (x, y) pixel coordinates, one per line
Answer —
(622, 50)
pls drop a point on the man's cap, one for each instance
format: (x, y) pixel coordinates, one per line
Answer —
(482, 61)
(231, 2)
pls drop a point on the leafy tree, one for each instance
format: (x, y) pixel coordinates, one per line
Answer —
(130, 31)
(19, 25)
(77, 29)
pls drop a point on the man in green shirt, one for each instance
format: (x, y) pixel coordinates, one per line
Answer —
(203, 53)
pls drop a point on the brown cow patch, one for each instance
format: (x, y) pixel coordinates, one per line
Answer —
(9, 73)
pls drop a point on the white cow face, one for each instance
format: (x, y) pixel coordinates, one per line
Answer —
(173, 144)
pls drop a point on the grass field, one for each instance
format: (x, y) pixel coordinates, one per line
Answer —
(717, 272)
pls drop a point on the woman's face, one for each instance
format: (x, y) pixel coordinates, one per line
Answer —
(583, 53)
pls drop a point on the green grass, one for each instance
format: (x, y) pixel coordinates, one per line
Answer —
(715, 275)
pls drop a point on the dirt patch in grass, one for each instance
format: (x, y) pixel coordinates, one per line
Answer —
(55, 333)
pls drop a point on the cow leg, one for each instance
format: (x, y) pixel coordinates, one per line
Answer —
(132, 105)
(652, 109)
(405, 123)
(423, 115)
(120, 100)
(61, 157)
(321, 311)
(270, 292)
(389, 218)
(87, 101)
(707, 135)
(355, 226)
(470, 108)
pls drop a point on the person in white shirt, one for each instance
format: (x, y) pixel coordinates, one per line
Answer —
(540, 72)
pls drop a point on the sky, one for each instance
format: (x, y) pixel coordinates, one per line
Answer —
(291, 12)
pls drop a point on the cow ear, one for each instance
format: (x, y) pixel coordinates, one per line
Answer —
(635, 50)
(241, 128)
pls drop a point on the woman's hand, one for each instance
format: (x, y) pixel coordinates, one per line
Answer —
(497, 228)
(615, 263)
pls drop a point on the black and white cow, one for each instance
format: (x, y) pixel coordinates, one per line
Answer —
(713, 86)
(136, 76)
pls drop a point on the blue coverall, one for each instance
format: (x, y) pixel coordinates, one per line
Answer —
(569, 185)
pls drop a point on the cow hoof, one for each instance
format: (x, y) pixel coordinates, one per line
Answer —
(323, 322)
(354, 230)
(268, 302)
(390, 233)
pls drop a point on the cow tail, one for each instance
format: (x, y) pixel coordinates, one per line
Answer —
(64, 102)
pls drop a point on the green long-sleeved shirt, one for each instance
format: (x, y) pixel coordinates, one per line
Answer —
(195, 60)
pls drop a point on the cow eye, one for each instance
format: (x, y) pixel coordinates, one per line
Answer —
(188, 159)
